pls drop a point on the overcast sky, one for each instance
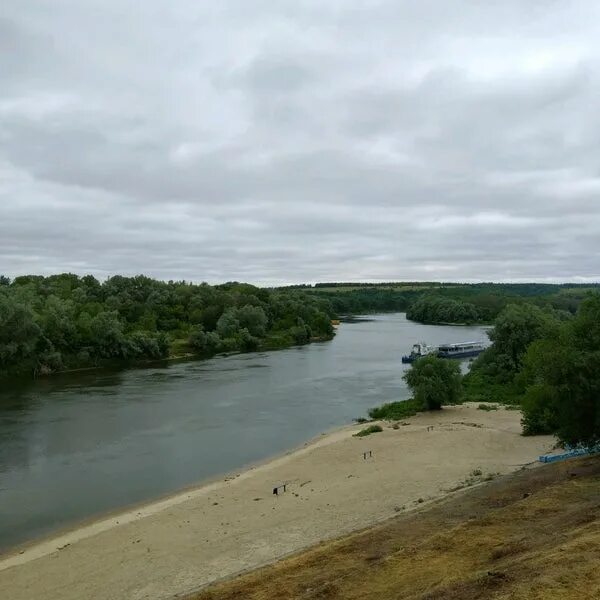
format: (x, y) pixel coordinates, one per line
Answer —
(300, 140)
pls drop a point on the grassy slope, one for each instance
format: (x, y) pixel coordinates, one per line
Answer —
(531, 535)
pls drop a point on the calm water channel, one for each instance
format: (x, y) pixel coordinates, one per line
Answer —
(77, 445)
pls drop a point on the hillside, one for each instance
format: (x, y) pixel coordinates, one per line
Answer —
(531, 535)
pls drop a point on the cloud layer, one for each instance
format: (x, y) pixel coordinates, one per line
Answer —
(295, 141)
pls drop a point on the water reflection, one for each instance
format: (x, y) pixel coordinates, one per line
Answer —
(75, 445)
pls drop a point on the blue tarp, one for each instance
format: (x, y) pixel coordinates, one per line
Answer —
(570, 453)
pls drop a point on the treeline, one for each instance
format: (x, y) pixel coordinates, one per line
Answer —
(437, 309)
(548, 362)
(450, 303)
(65, 321)
(388, 284)
(367, 300)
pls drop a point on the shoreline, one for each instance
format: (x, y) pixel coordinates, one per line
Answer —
(122, 515)
(233, 523)
(124, 365)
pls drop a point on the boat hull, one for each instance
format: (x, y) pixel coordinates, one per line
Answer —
(462, 354)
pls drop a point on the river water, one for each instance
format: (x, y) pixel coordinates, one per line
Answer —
(81, 444)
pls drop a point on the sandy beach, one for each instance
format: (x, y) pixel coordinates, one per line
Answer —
(176, 545)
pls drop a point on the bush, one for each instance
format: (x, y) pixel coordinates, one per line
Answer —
(481, 386)
(248, 343)
(487, 407)
(142, 344)
(369, 430)
(50, 362)
(393, 411)
(539, 410)
(230, 344)
(301, 333)
(203, 342)
(228, 325)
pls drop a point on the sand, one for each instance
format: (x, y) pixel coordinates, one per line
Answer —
(177, 545)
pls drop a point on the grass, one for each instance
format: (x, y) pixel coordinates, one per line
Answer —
(369, 430)
(533, 535)
(180, 347)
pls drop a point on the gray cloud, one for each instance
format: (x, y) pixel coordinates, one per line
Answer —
(301, 141)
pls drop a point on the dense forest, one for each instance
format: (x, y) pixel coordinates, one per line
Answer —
(437, 309)
(49, 324)
(549, 363)
(448, 302)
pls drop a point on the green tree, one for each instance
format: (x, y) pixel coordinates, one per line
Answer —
(143, 344)
(563, 375)
(253, 318)
(540, 414)
(58, 323)
(107, 335)
(586, 326)
(204, 342)
(19, 333)
(514, 329)
(301, 333)
(69, 321)
(228, 325)
(434, 382)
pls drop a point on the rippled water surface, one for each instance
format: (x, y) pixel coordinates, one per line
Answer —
(77, 445)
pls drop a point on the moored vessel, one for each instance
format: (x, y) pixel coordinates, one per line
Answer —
(461, 350)
(418, 351)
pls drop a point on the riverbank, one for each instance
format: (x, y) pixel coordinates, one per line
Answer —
(531, 535)
(184, 542)
(123, 364)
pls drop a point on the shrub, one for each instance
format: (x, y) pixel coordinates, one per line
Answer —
(539, 412)
(301, 334)
(369, 430)
(228, 325)
(248, 342)
(393, 411)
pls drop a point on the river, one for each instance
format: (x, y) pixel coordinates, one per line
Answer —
(80, 444)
